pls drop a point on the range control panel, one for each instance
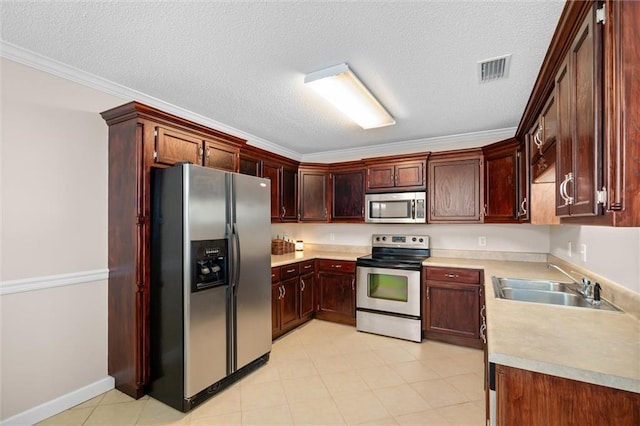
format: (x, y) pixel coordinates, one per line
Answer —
(404, 241)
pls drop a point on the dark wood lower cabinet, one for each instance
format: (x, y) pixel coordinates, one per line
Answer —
(292, 296)
(452, 304)
(529, 398)
(306, 295)
(336, 290)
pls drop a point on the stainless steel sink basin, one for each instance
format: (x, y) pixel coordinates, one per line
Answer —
(546, 291)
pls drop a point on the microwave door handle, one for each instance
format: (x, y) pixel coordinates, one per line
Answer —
(413, 209)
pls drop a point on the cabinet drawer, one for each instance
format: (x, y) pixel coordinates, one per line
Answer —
(458, 275)
(336, 265)
(275, 274)
(289, 271)
(306, 267)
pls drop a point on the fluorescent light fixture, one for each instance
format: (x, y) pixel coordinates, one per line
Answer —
(340, 86)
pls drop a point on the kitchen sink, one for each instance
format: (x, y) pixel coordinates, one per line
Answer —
(546, 291)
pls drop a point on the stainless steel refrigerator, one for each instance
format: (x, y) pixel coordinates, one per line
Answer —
(210, 316)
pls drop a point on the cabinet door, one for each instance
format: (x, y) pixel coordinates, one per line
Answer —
(220, 156)
(276, 296)
(289, 303)
(173, 147)
(454, 191)
(524, 183)
(313, 196)
(347, 196)
(410, 175)
(452, 309)
(381, 177)
(579, 111)
(289, 195)
(307, 282)
(336, 297)
(250, 166)
(273, 172)
(501, 186)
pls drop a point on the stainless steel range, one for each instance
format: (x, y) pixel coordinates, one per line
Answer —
(388, 286)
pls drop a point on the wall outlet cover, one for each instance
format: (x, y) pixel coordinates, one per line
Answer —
(482, 241)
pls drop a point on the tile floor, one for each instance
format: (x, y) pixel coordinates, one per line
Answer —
(324, 374)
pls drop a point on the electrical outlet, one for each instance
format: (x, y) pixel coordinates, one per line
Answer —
(482, 241)
(583, 252)
(332, 236)
(569, 249)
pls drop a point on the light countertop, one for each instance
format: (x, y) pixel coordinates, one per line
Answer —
(310, 254)
(599, 347)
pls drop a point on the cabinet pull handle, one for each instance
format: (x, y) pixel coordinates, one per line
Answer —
(307, 266)
(290, 270)
(451, 275)
(537, 139)
(302, 286)
(353, 284)
(208, 153)
(563, 189)
(284, 211)
(427, 292)
(325, 212)
(279, 292)
(336, 266)
(523, 206)
(284, 291)
(483, 327)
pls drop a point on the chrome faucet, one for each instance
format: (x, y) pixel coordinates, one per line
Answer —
(551, 265)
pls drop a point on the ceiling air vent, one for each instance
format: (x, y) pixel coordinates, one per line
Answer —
(494, 68)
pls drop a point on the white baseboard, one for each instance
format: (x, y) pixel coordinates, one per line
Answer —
(58, 405)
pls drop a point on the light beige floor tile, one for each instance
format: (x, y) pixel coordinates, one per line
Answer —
(122, 414)
(361, 407)
(403, 399)
(321, 349)
(73, 417)
(225, 402)
(469, 413)
(318, 412)
(277, 415)
(93, 402)
(268, 394)
(389, 421)
(414, 371)
(439, 393)
(427, 418)
(380, 377)
(394, 354)
(346, 382)
(157, 413)
(359, 360)
(266, 373)
(229, 419)
(114, 396)
(331, 364)
(304, 389)
(447, 367)
(471, 385)
(296, 368)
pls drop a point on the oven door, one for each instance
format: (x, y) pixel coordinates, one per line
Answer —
(387, 290)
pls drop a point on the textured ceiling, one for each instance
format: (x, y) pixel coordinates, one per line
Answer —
(243, 63)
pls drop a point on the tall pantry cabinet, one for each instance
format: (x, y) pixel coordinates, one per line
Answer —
(137, 141)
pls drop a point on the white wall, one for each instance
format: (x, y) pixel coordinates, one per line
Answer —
(54, 227)
(613, 253)
(517, 238)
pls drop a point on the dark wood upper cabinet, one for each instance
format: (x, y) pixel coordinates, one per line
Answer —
(400, 173)
(250, 165)
(455, 187)
(173, 147)
(501, 181)
(544, 132)
(289, 196)
(579, 117)
(347, 194)
(313, 194)
(273, 172)
(220, 156)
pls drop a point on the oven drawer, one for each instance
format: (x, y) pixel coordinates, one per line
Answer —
(289, 271)
(457, 275)
(337, 265)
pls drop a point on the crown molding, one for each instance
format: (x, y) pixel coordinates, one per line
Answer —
(440, 143)
(43, 63)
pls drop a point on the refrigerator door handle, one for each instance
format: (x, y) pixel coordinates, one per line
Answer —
(236, 257)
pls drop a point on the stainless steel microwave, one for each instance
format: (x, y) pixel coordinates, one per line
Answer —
(396, 207)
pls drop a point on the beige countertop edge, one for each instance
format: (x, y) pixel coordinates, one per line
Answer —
(301, 256)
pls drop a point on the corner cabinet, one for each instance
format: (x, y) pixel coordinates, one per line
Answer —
(142, 137)
(455, 187)
(453, 306)
(336, 291)
(313, 193)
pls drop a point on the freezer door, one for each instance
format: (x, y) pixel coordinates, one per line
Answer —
(205, 204)
(252, 225)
